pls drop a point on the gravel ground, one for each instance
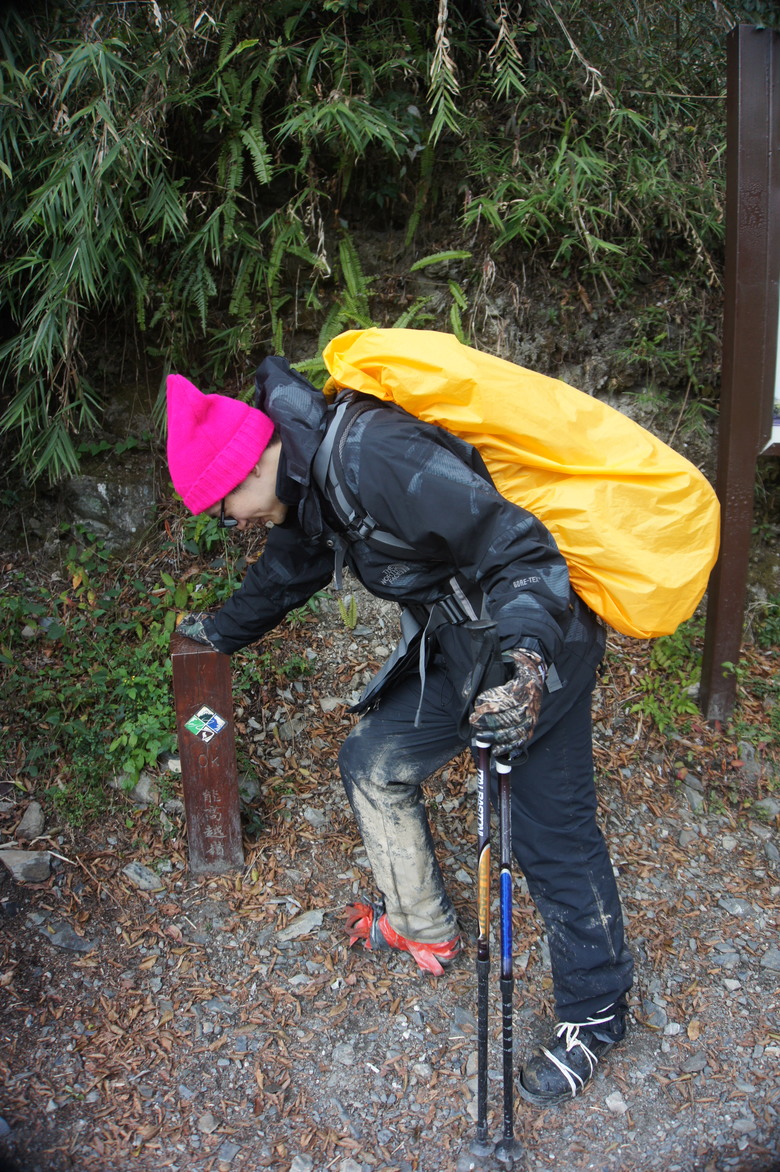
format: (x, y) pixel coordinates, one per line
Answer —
(223, 1024)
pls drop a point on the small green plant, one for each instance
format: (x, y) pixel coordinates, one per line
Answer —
(117, 447)
(759, 688)
(175, 594)
(766, 625)
(459, 303)
(295, 667)
(669, 685)
(141, 708)
(253, 823)
(202, 534)
(303, 614)
(349, 611)
(353, 308)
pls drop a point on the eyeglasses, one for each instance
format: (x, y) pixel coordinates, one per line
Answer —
(225, 522)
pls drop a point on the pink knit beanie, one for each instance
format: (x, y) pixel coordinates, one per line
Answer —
(214, 442)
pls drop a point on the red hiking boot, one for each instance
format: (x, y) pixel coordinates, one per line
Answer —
(368, 922)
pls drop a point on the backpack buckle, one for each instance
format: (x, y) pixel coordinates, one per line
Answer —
(362, 527)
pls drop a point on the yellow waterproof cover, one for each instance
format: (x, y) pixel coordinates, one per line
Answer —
(637, 523)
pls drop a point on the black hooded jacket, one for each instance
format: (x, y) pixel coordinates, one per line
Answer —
(428, 488)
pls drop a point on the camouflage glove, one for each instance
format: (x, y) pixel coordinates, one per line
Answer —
(507, 715)
(199, 627)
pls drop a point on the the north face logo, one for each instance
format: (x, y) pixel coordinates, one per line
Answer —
(393, 572)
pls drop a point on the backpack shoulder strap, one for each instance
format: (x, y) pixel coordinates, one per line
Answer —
(328, 475)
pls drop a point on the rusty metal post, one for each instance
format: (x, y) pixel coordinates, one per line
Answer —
(207, 748)
(749, 340)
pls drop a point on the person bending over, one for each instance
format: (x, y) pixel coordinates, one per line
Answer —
(493, 641)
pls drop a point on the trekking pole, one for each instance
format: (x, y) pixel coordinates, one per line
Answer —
(508, 1149)
(481, 1146)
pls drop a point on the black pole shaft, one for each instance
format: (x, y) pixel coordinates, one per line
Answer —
(483, 938)
(507, 993)
(508, 1149)
(507, 978)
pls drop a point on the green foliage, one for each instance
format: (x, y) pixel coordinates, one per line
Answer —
(93, 684)
(593, 174)
(349, 611)
(766, 624)
(301, 615)
(192, 176)
(116, 448)
(674, 341)
(202, 533)
(759, 689)
(295, 667)
(675, 346)
(459, 299)
(667, 689)
(352, 308)
(86, 672)
(761, 12)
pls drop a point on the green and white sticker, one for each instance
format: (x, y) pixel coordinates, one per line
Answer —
(205, 724)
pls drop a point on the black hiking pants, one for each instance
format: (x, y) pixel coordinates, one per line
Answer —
(555, 838)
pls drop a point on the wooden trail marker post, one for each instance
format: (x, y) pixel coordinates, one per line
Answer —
(203, 696)
(751, 381)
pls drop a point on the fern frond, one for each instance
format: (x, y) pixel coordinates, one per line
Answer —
(255, 144)
(439, 257)
(457, 294)
(415, 315)
(456, 322)
(356, 281)
(333, 325)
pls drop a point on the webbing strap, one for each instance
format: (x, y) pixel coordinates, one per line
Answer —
(359, 526)
(321, 465)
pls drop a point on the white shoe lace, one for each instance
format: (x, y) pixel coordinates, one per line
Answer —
(571, 1031)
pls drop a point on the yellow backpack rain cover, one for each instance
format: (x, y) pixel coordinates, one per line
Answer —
(637, 523)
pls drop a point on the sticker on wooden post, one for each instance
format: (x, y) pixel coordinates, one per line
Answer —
(205, 724)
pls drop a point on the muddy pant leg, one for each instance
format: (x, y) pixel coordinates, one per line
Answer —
(563, 855)
(383, 764)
